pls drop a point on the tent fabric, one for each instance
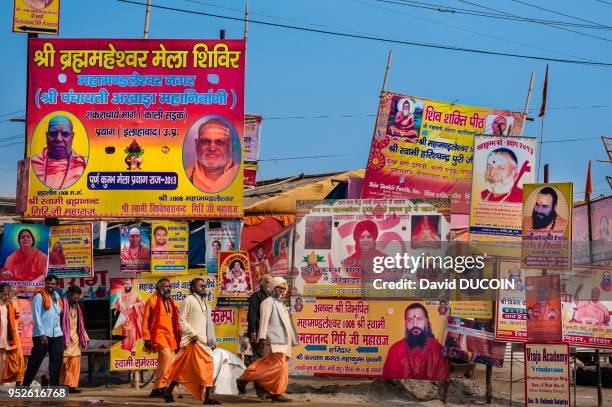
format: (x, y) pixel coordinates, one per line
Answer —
(284, 202)
(255, 220)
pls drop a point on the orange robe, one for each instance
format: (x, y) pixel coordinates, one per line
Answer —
(131, 305)
(161, 327)
(14, 363)
(427, 363)
(270, 372)
(205, 184)
(58, 174)
(193, 369)
(30, 266)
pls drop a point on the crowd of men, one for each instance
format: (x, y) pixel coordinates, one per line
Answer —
(183, 339)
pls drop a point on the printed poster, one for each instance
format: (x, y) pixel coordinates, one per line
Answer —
(601, 224)
(220, 235)
(71, 250)
(501, 166)
(135, 249)
(169, 247)
(338, 240)
(580, 235)
(36, 16)
(473, 301)
(234, 276)
(424, 148)
(543, 302)
(511, 316)
(369, 339)
(547, 375)
(252, 132)
(473, 341)
(24, 255)
(149, 128)
(272, 256)
(128, 298)
(25, 324)
(547, 225)
(587, 307)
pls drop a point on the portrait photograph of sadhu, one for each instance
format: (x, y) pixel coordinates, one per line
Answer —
(546, 210)
(418, 355)
(365, 248)
(502, 177)
(318, 232)
(59, 151)
(498, 125)
(234, 276)
(24, 252)
(405, 118)
(212, 153)
(38, 4)
(426, 231)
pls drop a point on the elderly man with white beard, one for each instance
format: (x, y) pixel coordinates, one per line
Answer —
(276, 331)
(501, 177)
(214, 169)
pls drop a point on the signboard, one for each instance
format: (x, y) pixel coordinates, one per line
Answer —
(501, 166)
(128, 298)
(547, 375)
(337, 241)
(71, 250)
(543, 302)
(36, 16)
(252, 132)
(135, 248)
(423, 148)
(169, 247)
(511, 316)
(587, 307)
(97, 287)
(473, 341)
(234, 275)
(601, 224)
(377, 339)
(547, 225)
(580, 235)
(24, 255)
(220, 235)
(149, 128)
(272, 256)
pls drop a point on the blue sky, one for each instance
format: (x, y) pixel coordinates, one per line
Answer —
(296, 73)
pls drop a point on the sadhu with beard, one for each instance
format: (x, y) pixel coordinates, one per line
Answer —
(501, 176)
(544, 218)
(419, 354)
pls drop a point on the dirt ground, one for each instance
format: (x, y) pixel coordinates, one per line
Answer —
(344, 392)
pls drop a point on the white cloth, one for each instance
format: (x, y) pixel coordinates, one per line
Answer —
(195, 320)
(268, 306)
(228, 368)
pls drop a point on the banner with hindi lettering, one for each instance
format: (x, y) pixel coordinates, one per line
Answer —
(501, 166)
(373, 338)
(127, 300)
(511, 316)
(252, 133)
(423, 148)
(601, 225)
(337, 241)
(71, 250)
(547, 375)
(272, 256)
(135, 128)
(169, 247)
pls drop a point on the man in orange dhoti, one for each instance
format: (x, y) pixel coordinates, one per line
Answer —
(214, 169)
(58, 166)
(276, 331)
(12, 364)
(75, 338)
(193, 368)
(161, 333)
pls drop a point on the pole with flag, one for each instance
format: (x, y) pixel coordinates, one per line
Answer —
(541, 115)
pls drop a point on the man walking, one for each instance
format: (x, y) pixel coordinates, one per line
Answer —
(47, 335)
(277, 334)
(12, 364)
(75, 338)
(161, 332)
(193, 368)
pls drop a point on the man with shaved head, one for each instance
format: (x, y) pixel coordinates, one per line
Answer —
(59, 166)
(214, 169)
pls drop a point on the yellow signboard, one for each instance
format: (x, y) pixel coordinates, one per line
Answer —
(36, 16)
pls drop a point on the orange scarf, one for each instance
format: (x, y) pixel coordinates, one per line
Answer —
(47, 299)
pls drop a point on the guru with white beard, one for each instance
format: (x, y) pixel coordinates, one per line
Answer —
(500, 176)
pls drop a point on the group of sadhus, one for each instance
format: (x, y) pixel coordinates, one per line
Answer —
(189, 332)
(59, 331)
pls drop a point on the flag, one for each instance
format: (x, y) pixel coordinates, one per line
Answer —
(544, 94)
(588, 190)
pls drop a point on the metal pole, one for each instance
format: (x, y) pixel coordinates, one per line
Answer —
(546, 169)
(528, 100)
(575, 375)
(384, 85)
(221, 34)
(511, 366)
(246, 30)
(146, 24)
